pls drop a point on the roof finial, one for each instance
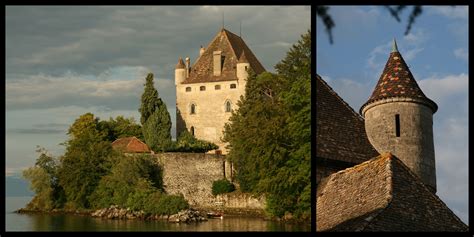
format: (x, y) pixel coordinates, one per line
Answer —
(222, 19)
(394, 46)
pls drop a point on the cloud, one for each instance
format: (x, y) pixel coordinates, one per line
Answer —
(411, 54)
(461, 53)
(35, 130)
(456, 12)
(441, 89)
(115, 88)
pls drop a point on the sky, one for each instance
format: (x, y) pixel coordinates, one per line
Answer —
(62, 62)
(436, 50)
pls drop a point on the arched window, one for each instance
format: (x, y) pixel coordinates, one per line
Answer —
(188, 89)
(233, 86)
(192, 131)
(217, 87)
(228, 106)
(193, 109)
(202, 88)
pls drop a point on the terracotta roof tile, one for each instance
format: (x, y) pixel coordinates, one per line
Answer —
(130, 145)
(381, 194)
(397, 81)
(231, 46)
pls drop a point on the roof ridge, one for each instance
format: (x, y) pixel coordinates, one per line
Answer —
(340, 98)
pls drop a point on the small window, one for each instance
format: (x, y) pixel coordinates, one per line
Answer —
(397, 125)
(233, 86)
(188, 89)
(202, 88)
(217, 87)
(193, 109)
(192, 131)
(228, 106)
(245, 68)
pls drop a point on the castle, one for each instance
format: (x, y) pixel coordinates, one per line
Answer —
(377, 172)
(208, 91)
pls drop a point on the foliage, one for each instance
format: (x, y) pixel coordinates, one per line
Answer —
(222, 186)
(44, 182)
(155, 118)
(156, 130)
(121, 127)
(131, 176)
(168, 204)
(188, 143)
(270, 134)
(86, 160)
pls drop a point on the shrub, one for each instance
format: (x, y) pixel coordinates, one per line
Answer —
(170, 204)
(188, 143)
(222, 186)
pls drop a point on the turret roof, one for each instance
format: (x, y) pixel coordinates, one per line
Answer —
(180, 64)
(397, 81)
(231, 46)
(242, 58)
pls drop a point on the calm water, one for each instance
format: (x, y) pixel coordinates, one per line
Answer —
(48, 222)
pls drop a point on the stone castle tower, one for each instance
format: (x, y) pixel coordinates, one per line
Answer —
(208, 91)
(399, 119)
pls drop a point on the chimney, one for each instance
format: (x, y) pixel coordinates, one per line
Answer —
(188, 68)
(217, 56)
(201, 51)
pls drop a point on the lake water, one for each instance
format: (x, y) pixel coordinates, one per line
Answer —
(61, 222)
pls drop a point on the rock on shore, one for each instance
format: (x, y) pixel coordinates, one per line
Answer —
(115, 212)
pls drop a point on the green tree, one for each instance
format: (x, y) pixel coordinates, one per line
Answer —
(155, 118)
(86, 160)
(121, 127)
(188, 143)
(270, 134)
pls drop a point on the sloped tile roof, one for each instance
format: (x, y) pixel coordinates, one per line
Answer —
(180, 64)
(397, 81)
(130, 145)
(381, 194)
(340, 131)
(231, 46)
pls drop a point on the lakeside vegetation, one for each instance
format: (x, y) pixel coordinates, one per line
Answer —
(269, 138)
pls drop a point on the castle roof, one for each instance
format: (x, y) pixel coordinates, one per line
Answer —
(397, 81)
(180, 64)
(381, 194)
(340, 131)
(242, 58)
(231, 46)
(130, 145)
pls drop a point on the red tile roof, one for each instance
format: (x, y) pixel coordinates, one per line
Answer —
(130, 145)
(397, 81)
(231, 46)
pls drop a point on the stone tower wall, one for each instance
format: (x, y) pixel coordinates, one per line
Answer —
(415, 145)
(211, 115)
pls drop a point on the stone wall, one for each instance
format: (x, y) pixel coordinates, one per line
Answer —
(415, 145)
(192, 175)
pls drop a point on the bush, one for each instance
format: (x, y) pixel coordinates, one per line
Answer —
(188, 143)
(170, 204)
(222, 186)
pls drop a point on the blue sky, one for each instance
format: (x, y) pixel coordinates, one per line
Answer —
(62, 62)
(436, 51)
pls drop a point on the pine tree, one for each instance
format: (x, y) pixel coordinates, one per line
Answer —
(155, 118)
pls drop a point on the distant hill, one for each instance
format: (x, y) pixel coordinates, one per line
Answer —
(16, 186)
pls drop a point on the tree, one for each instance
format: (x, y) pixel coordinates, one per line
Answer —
(121, 127)
(86, 160)
(270, 134)
(155, 118)
(323, 13)
(186, 142)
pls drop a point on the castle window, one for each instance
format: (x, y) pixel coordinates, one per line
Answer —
(192, 131)
(228, 106)
(397, 125)
(193, 109)
(233, 86)
(217, 87)
(202, 88)
(188, 89)
(245, 68)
